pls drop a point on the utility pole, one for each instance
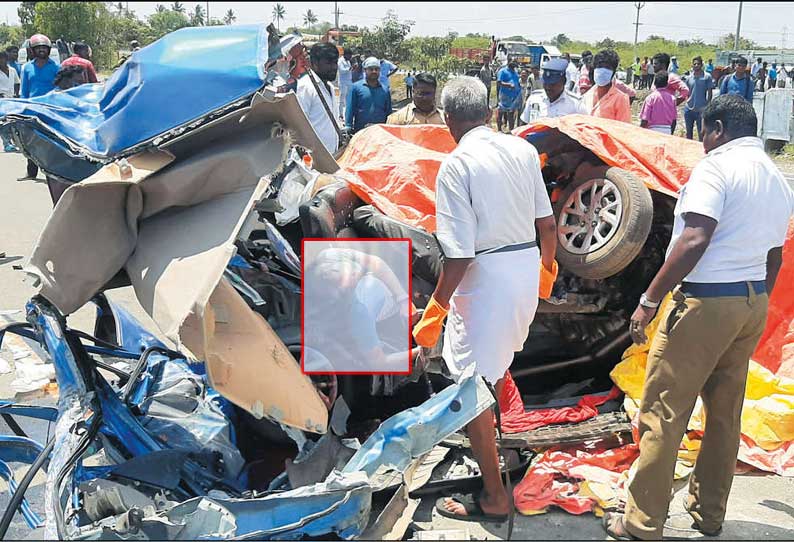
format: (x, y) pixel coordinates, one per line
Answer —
(639, 6)
(208, 18)
(337, 13)
(738, 29)
(783, 39)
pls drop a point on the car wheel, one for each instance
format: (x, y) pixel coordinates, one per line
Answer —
(603, 220)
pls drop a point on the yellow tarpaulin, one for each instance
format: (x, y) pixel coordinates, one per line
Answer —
(767, 417)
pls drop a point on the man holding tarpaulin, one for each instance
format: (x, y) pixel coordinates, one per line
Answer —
(720, 270)
(490, 198)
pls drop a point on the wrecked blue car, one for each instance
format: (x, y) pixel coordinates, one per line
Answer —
(167, 179)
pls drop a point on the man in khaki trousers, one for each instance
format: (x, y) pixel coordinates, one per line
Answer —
(724, 256)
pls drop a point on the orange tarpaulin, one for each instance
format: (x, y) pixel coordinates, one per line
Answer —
(395, 167)
(662, 161)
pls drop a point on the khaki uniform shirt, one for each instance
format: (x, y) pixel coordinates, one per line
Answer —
(411, 115)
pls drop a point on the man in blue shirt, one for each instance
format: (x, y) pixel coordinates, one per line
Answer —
(387, 69)
(37, 78)
(509, 85)
(739, 83)
(38, 75)
(369, 102)
(13, 58)
(709, 67)
(700, 90)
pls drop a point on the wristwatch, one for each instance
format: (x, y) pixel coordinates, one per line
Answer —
(647, 303)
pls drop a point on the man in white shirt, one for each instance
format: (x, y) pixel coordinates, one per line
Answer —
(757, 66)
(490, 198)
(345, 79)
(726, 269)
(9, 78)
(317, 95)
(553, 100)
(9, 87)
(571, 75)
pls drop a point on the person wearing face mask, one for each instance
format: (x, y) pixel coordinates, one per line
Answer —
(604, 99)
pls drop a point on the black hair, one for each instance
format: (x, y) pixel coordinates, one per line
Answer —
(67, 72)
(12, 48)
(608, 57)
(660, 79)
(323, 51)
(426, 78)
(741, 60)
(663, 58)
(737, 116)
(587, 53)
(80, 46)
(760, 59)
(765, 64)
(700, 58)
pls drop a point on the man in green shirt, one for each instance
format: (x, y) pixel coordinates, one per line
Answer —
(636, 69)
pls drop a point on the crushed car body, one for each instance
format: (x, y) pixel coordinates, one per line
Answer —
(157, 441)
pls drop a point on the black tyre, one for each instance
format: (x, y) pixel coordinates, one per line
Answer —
(603, 219)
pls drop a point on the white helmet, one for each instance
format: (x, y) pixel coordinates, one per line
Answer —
(39, 39)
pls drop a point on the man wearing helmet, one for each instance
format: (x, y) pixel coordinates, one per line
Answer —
(37, 79)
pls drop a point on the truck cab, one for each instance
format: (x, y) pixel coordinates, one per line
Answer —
(526, 54)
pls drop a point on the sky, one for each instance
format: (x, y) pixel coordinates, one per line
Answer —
(762, 22)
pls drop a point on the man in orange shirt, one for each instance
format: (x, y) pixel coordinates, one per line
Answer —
(604, 99)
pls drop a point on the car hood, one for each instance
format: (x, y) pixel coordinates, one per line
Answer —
(157, 93)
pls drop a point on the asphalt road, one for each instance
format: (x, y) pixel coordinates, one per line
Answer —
(760, 507)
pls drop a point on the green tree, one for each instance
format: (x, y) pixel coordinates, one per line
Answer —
(27, 17)
(230, 17)
(387, 39)
(606, 43)
(728, 40)
(166, 22)
(178, 7)
(160, 8)
(431, 54)
(198, 16)
(560, 40)
(73, 21)
(516, 38)
(309, 18)
(279, 13)
(11, 35)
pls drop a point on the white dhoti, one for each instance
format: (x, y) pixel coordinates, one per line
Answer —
(344, 90)
(661, 128)
(491, 311)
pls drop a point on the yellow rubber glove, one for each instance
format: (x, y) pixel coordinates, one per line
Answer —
(428, 330)
(547, 278)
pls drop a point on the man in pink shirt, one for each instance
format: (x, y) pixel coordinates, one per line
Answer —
(604, 99)
(658, 111)
(82, 58)
(661, 63)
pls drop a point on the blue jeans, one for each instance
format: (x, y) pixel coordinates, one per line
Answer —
(690, 118)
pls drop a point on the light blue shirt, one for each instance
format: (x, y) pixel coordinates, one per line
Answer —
(386, 68)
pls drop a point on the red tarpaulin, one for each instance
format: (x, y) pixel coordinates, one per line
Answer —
(516, 420)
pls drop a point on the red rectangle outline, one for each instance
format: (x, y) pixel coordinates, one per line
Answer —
(410, 299)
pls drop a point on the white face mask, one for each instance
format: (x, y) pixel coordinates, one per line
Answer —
(602, 76)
